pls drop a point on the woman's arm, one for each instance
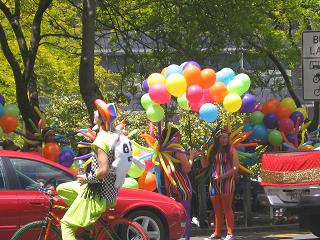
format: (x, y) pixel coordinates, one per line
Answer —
(103, 161)
(186, 161)
(205, 159)
(235, 164)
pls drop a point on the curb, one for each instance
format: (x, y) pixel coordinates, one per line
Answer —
(207, 231)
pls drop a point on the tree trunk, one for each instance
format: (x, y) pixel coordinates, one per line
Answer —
(286, 78)
(315, 119)
(88, 88)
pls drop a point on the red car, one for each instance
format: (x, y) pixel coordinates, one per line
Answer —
(20, 173)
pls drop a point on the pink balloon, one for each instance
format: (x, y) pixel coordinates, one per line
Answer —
(258, 107)
(197, 105)
(194, 93)
(206, 96)
(159, 93)
(286, 125)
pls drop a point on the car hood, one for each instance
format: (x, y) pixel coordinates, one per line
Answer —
(139, 194)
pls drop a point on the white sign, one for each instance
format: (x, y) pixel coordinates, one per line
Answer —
(311, 65)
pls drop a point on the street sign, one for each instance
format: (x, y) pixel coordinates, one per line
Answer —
(311, 65)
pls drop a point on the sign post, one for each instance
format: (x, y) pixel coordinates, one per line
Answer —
(311, 65)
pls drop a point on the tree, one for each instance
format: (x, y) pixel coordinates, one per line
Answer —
(26, 92)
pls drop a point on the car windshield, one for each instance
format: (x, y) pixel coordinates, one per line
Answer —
(31, 173)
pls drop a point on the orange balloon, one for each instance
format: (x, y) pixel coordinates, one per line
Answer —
(148, 182)
(270, 106)
(208, 78)
(8, 123)
(51, 151)
(282, 111)
(192, 75)
(163, 71)
(218, 91)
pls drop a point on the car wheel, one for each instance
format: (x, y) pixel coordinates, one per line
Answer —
(314, 225)
(151, 224)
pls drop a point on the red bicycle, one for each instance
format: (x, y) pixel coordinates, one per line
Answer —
(106, 228)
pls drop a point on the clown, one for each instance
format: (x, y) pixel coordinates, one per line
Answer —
(95, 191)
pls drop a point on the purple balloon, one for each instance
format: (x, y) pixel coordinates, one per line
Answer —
(248, 103)
(2, 100)
(145, 86)
(270, 120)
(295, 116)
(192, 63)
(65, 158)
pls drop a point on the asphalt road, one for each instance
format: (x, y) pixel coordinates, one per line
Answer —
(286, 235)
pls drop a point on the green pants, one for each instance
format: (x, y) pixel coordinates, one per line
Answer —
(82, 212)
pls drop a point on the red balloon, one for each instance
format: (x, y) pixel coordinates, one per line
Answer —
(282, 112)
(208, 78)
(207, 97)
(192, 75)
(286, 125)
(8, 123)
(270, 106)
(194, 94)
(51, 151)
(149, 165)
(148, 182)
(159, 93)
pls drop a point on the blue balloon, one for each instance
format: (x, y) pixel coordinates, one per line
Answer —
(247, 128)
(1, 110)
(173, 68)
(270, 121)
(260, 132)
(225, 75)
(66, 149)
(208, 112)
(182, 65)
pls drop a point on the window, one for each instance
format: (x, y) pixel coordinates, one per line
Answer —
(2, 182)
(32, 173)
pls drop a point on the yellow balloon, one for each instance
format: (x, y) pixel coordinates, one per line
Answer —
(303, 111)
(289, 103)
(156, 78)
(232, 102)
(135, 151)
(176, 84)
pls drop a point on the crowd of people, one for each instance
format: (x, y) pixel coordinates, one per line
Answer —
(96, 189)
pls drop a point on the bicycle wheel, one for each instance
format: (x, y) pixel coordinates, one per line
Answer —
(36, 231)
(122, 229)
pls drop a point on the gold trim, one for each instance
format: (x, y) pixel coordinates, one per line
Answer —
(301, 176)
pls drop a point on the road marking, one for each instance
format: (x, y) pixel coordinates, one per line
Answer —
(283, 235)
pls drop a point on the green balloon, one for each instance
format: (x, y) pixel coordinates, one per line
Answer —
(155, 113)
(183, 102)
(11, 109)
(236, 86)
(275, 138)
(256, 118)
(246, 82)
(135, 171)
(1, 132)
(146, 101)
(130, 183)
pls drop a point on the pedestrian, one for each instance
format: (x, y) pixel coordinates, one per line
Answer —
(222, 160)
(182, 192)
(96, 190)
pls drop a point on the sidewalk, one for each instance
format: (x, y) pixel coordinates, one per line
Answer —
(259, 223)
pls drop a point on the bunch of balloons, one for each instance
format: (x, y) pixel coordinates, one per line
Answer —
(196, 89)
(141, 178)
(278, 122)
(8, 116)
